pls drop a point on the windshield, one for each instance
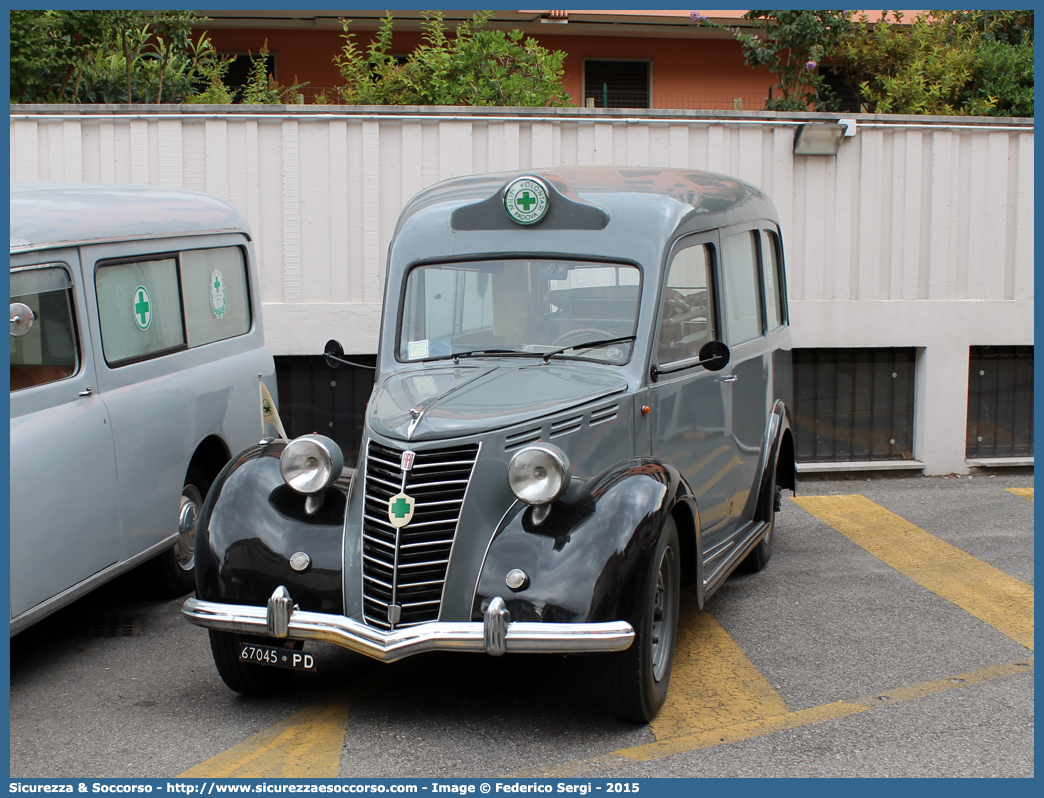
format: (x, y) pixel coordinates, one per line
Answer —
(520, 307)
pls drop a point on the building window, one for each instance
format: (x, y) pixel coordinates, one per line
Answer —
(1000, 402)
(842, 97)
(853, 405)
(238, 74)
(616, 84)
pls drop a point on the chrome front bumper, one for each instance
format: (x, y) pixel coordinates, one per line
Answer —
(495, 635)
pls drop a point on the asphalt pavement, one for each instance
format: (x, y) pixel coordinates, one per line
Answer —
(833, 661)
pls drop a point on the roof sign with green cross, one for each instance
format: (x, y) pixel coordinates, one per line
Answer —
(400, 509)
(526, 200)
(142, 308)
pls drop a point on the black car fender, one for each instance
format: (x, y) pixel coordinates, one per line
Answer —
(778, 459)
(585, 562)
(251, 524)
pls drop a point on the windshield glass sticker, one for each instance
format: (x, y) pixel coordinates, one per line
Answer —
(418, 349)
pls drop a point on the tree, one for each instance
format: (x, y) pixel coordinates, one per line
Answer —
(474, 67)
(110, 56)
(943, 62)
(792, 44)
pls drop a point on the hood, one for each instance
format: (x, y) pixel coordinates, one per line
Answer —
(462, 400)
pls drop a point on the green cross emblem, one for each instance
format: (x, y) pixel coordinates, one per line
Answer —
(142, 308)
(400, 510)
(525, 199)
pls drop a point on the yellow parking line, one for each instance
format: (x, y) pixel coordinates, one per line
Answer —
(986, 592)
(709, 738)
(1026, 493)
(307, 744)
(713, 684)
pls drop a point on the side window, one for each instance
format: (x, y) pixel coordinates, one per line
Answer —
(139, 306)
(44, 345)
(687, 315)
(742, 287)
(772, 280)
(185, 299)
(217, 303)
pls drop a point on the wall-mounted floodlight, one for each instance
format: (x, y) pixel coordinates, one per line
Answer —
(822, 139)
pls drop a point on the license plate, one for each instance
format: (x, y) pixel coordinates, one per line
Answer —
(276, 657)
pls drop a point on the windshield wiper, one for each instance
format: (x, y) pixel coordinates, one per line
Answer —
(497, 352)
(588, 345)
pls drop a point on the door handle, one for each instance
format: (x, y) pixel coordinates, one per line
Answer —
(87, 391)
(730, 378)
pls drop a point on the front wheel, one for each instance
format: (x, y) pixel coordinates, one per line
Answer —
(245, 677)
(636, 680)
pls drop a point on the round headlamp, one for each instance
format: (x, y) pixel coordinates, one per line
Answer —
(310, 464)
(538, 474)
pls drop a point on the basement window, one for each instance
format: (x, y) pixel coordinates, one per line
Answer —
(854, 405)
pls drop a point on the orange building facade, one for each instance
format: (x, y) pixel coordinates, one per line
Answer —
(651, 59)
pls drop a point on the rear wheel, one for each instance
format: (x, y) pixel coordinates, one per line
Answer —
(244, 677)
(635, 681)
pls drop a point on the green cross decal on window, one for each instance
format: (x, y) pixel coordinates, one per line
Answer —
(142, 308)
(400, 508)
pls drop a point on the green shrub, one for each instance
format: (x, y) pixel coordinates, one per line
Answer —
(474, 67)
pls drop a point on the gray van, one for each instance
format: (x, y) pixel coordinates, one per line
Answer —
(136, 349)
(580, 409)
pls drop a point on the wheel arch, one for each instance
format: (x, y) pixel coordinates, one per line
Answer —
(210, 457)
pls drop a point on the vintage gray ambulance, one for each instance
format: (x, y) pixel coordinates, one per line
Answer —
(136, 347)
(579, 410)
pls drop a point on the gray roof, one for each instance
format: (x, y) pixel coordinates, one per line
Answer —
(719, 198)
(48, 215)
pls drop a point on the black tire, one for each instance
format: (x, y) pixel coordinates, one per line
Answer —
(635, 681)
(244, 677)
(761, 554)
(173, 572)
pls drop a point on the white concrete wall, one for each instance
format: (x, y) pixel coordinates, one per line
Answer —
(919, 233)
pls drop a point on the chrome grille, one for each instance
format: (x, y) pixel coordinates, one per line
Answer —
(406, 567)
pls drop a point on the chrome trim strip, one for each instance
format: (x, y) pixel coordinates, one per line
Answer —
(519, 637)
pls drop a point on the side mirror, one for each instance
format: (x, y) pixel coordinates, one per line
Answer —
(334, 353)
(714, 356)
(22, 318)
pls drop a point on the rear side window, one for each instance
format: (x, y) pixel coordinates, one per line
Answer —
(44, 346)
(161, 305)
(773, 281)
(214, 282)
(742, 287)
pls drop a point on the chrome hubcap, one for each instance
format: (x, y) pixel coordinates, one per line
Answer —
(185, 548)
(664, 620)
